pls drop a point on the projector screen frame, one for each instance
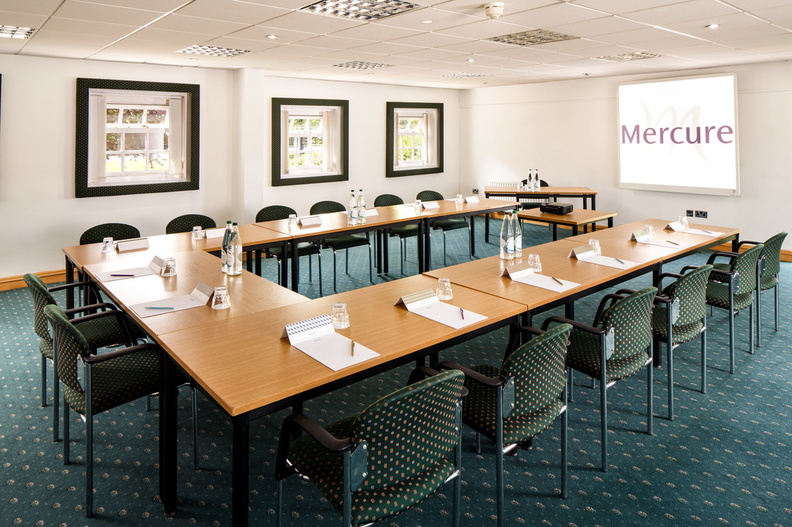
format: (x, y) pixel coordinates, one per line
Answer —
(733, 189)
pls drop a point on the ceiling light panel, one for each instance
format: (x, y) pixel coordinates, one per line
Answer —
(366, 10)
(213, 51)
(362, 65)
(532, 38)
(626, 57)
(16, 32)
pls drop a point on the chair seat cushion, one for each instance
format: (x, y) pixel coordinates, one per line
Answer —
(345, 242)
(303, 249)
(584, 356)
(768, 282)
(682, 333)
(478, 412)
(325, 469)
(118, 381)
(450, 224)
(404, 231)
(718, 296)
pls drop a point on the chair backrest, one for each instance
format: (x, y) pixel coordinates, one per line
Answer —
(772, 255)
(274, 212)
(538, 368)
(384, 200)
(186, 222)
(631, 319)
(691, 291)
(745, 266)
(543, 183)
(410, 430)
(429, 195)
(41, 298)
(118, 231)
(325, 207)
(71, 345)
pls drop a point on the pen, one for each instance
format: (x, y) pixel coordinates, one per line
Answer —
(116, 274)
(462, 313)
(705, 230)
(353, 348)
(158, 307)
(669, 241)
(620, 261)
(557, 280)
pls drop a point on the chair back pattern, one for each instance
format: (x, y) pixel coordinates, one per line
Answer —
(326, 207)
(691, 291)
(385, 200)
(429, 195)
(41, 299)
(274, 212)
(539, 371)
(772, 260)
(118, 231)
(745, 267)
(631, 319)
(186, 222)
(410, 430)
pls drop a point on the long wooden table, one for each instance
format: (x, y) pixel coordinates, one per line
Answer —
(575, 219)
(554, 193)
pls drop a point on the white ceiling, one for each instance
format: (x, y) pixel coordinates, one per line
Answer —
(418, 54)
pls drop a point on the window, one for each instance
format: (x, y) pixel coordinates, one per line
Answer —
(309, 141)
(135, 137)
(414, 139)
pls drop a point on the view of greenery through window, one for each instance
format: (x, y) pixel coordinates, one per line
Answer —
(411, 142)
(136, 140)
(306, 142)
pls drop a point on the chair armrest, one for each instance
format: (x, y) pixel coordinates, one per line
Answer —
(471, 374)
(659, 282)
(530, 329)
(746, 242)
(716, 275)
(575, 324)
(71, 285)
(724, 254)
(96, 359)
(88, 309)
(117, 313)
(603, 305)
(290, 430)
(622, 292)
(688, 268)
(661, 299)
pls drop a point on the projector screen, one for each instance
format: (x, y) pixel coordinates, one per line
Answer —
(679, 135)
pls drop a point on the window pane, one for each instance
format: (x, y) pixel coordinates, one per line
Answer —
(297, 124)
(133, 116)
(418, 140)
(158, 162)
(165, 141)
(113, 163)
(156, 141)
(134, 141)
(317, 141)
(156, 116)
(318, 159)
(113, 142)
(112, 115)
(134, 162)
(316, 125)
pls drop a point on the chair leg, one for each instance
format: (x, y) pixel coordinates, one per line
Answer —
(56, 405)
(604, 423)
(731, 333)
(775, 300)
(704, 360)
(650, 394)
(371, 264)
(66, 456)
(564, 452)
(279, 504)
(335, 286)
(88, 443)
(758, 295)
(670, 360)
(195, 424)
(499, 456)
(751, 321)
(44, 382)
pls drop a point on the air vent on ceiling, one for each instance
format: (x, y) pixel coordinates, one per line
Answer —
(625, 57)
(462, 75)
(362, 65)
(360, 9)
(213, 51)
(532, 38)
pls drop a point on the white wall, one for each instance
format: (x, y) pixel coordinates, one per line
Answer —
(37, 205)
(569, 131)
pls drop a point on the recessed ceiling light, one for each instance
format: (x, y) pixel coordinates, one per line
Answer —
(712, 26)
(531, 38)
(272, 37)
(625, 57)
(213, 51)
(362, 65)
(15, 32)
(360, 9)
(463, 75)
(470, 60)
(427, 21)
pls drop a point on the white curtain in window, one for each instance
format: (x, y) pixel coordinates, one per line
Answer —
(176, 139)
(332, 139)
(97, 139)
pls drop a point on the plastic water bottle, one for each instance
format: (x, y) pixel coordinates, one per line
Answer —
(224, 247)
(353, 211)
(530, 185)
(537, 185)
(234, 257)
(507, 237)
(517, 234)
(361, 206)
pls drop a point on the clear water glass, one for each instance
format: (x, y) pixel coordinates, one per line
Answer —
(198, 232)
(595, 246)
(108, 245)
(168, 267)
(220, 298)
(340, 315)
(444, 291)
(535, 263)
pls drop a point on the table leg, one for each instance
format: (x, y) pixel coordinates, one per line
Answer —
(610, 222)
(555, 231)
(574, 230)
(284, 264)
(167, 430)
(486, 228)
(472, 238)
(420, 244)
(295, 267)
(69, 268)
(428, 246)
(240, 459)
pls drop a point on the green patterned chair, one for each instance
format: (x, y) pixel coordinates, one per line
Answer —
(616, 346)
(107, 380)
(680, 317)
(345, 241)
(517, 401)
(732, 286)
(186, 222)
(771, 267)
(402, 231)
(443, 224)
(282, 212)
(384, 460)
(98, 333)
(118, 231)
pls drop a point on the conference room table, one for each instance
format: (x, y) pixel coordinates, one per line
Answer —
(250, 371)
(576, 219)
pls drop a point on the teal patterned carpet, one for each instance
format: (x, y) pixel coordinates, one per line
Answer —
(725, 460)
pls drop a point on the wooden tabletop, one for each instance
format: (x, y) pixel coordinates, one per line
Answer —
(244, 364)
(336, 222)
(448, 207)
(248, 293)
(553, 191)
(577, 217)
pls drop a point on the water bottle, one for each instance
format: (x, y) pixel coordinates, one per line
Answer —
(353, 212)
(537, 185)
(234, 258)
(224, 248)
(507, 237)
(517, 233)
(361, 206)
(529, 187)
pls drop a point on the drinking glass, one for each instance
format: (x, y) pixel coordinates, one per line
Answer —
(169, 267)
(683, 221)
(198, 232)
(444, 289)
(417, 206)
(595, 246)
(340, 316)
(649, 229)
(108, 245)
(220, 298)
(535, 263)
(459, 199)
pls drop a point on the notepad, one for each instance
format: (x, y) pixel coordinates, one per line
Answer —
(678, 227)
(154, 267)
(426, 304)
(317, 338)
(584, 253)
(644, 237)
(197, 298)
(525, 275)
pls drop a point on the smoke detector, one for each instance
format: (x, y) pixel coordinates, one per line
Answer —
(493, 10)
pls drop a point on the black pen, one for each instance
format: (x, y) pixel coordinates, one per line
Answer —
(705, 230)
(557, 280)
(669, 241)
(462, 313)
(620, 261)
(121, 274)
